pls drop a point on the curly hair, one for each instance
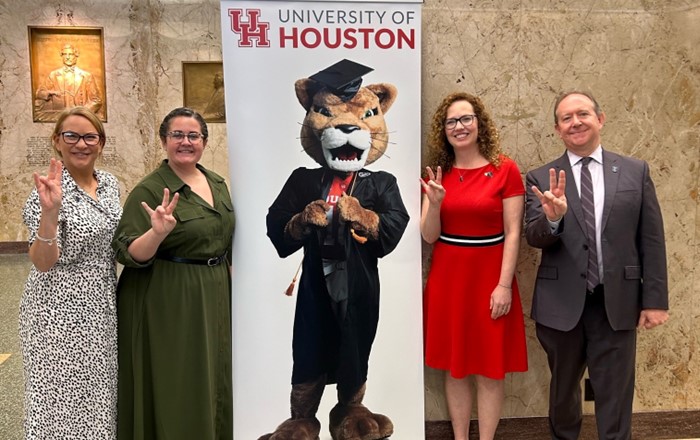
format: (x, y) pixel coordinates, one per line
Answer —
(441, 153)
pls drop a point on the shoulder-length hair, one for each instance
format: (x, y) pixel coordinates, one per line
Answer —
(441, 153)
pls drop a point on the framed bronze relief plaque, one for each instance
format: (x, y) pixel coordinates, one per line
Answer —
(203, 89)
(67, 67)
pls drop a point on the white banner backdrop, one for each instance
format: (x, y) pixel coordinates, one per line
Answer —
(267, 46)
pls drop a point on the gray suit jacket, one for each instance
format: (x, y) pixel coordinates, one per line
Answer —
(632, 240)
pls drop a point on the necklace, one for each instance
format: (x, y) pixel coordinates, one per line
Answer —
(461, 175)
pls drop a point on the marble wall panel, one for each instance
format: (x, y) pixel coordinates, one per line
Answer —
(639, 57)
(693, 386)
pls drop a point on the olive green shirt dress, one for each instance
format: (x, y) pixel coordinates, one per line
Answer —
(175, 317)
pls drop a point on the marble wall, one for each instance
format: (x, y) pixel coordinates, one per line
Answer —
(641, 59)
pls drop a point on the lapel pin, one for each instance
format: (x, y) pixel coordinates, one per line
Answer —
(615, 169)
(488, 174)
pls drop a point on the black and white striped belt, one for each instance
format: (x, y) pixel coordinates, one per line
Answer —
(462, 240)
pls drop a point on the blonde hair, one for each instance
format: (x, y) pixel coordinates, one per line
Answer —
(441, 153)
(77, 111)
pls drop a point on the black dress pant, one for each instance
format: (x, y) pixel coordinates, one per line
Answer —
(610, 358)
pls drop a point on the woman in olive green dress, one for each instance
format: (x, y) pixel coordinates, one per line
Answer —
(174, 295)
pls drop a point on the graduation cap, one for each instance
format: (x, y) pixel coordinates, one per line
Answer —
(343, 78)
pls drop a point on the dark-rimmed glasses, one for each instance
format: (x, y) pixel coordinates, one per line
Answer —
(465, 120)
(179, 136)
(72, 138)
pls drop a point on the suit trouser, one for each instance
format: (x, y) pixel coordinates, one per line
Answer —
(610, 358)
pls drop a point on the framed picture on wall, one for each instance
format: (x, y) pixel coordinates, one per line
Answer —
(67, 66)
(203, 89)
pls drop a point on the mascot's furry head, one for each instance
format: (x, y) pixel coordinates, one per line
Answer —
(344, 128)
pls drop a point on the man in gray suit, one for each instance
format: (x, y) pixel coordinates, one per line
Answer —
(602, 273)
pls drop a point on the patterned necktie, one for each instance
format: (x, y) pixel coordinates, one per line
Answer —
(588, 205)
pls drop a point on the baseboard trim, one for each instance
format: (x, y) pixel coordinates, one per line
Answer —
(645, 425)
(14, 247)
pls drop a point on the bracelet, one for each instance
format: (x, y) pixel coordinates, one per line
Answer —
(505, 287)
(48, 241)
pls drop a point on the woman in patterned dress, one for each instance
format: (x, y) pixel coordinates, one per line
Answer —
(68, 317)
(472, 211)
(175, 295)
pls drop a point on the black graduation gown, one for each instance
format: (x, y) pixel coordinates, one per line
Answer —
(321, 345)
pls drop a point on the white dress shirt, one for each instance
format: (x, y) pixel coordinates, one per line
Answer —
(595, 166)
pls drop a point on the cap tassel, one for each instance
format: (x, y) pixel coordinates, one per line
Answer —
(358, 238)
(290, 289)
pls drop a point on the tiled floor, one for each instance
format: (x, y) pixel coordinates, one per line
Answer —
(13, 273)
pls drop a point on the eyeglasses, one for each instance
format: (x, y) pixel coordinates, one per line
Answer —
(72, 138)
(180, 136)
(465, 120)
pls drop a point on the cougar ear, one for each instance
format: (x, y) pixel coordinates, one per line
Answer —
(306, 89)
(386, 94)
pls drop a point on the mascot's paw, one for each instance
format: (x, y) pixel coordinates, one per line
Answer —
(356, 422)
(296, 429)
(313, 216)
(364, 221)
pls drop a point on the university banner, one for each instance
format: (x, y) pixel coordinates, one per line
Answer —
(323, 119)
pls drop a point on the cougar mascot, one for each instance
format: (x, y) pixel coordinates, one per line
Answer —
(346, 218)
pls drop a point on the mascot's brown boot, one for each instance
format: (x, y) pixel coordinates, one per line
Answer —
(351, 420)
(303, 425)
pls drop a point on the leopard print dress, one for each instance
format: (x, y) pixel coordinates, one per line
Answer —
(68, 319)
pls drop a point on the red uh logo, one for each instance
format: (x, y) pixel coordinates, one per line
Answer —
(250, 29)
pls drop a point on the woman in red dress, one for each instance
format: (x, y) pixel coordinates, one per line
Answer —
(472, 211)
